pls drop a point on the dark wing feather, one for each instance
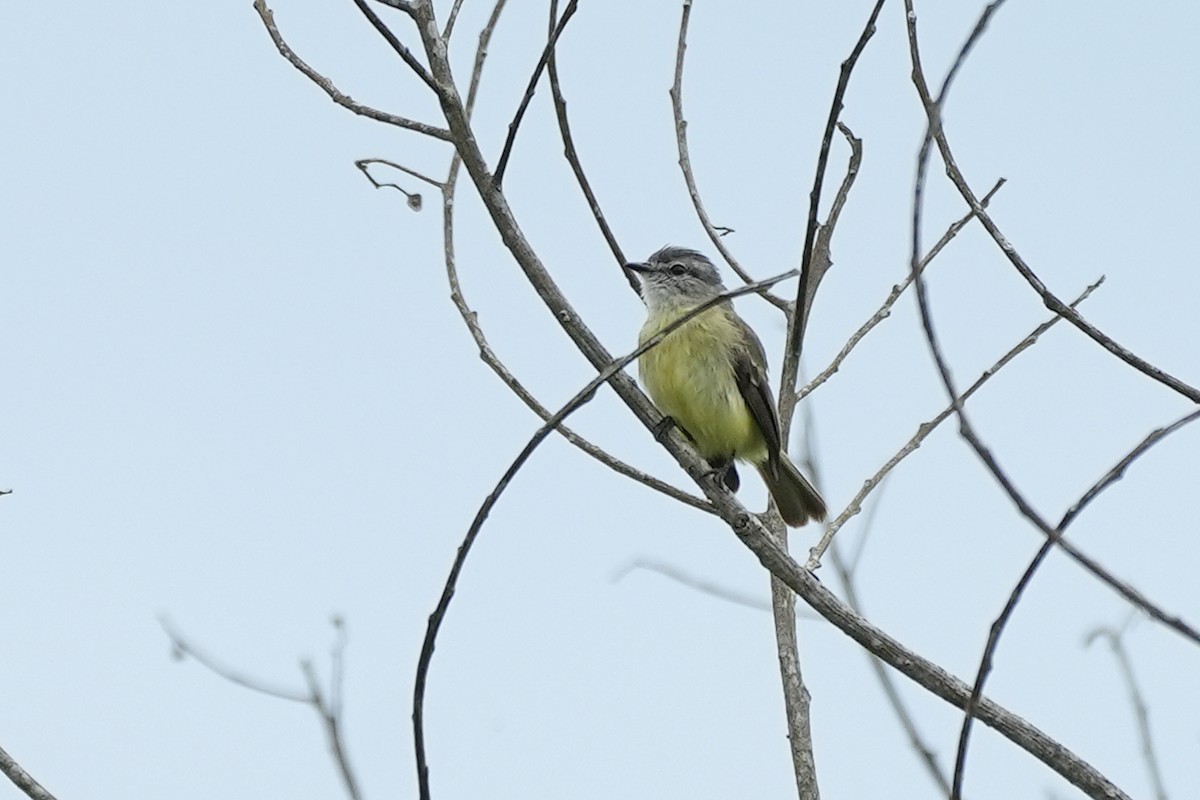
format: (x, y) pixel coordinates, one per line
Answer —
(750, 371)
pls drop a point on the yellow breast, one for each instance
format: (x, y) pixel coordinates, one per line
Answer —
(689, 376)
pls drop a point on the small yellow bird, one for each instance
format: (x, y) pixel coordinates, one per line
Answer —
(710, 377)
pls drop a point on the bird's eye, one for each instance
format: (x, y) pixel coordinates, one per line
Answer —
(677, 269)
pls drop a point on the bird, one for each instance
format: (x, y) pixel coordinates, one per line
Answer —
(709, 378)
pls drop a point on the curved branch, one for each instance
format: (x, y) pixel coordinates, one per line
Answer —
(846, 573)
(926, 428)
(685, 162)
(1051, 301)
(572, 156)
(699, 584)
(1140, 712)
(514, 126)
(885, 310)
(966, 429)
(405, 54)
(329, 709)
(1001, 622)
(799, 319)
(822, 260)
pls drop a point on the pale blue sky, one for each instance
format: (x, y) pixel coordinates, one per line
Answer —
(238, 395)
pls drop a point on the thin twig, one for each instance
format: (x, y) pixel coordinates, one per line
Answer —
(885, 310)
(822, 261)
(1118, 471)
(1140, 711)
(268, 19)
(1001, 622)
(572, 156)
(182, 648)
(926, 428)
(846, 573)
(692, 582)
(405, 54)
(846, 569)
(685, 163)
(450, 20)
(328, 710)
(514, 126)
(797, 701)
(808, 288)
(414, 199)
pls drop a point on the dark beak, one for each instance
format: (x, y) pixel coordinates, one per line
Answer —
(638, 267)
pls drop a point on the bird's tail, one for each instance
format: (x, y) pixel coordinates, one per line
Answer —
(797, 500)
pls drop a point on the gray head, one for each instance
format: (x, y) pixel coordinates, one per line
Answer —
(677, 276)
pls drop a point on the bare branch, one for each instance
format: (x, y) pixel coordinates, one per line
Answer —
(572, 156)
(514, 126)
(846, 573)
(414, 199)
(481, 52)
(1141, 713)
(966, 430)
(799, 319)
(699, 584)
(405, 54)
(1118, 471)
(1001, 622)
(924, 672)
(685, 162)
(402, 5)
(1051, 301)
(329, 710)
(22, 779)
(450, 20)
(182, 648)
(926, 428)
(363, 163)
(885, 310)
(822, 261)
(268, 19)
(796, 699)
(843, 192)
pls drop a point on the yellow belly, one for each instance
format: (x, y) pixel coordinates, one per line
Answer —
(689, 376)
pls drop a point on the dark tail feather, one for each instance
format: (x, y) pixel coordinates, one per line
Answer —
(797, 500)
